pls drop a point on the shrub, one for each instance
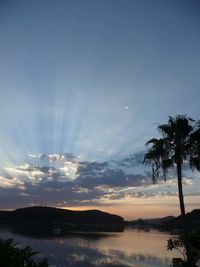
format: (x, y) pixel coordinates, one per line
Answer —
(11, 255)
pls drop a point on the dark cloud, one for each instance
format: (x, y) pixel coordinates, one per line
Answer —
(91, 167)
(111, 178)
(133, 160)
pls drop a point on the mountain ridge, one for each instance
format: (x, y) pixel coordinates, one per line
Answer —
(66, 219)
(168, 222)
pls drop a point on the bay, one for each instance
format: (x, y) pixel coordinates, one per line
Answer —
(135, 248)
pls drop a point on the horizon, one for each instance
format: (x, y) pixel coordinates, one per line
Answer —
(83, 87)
(96, 209)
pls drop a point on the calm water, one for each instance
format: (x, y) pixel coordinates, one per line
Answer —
(134, 248)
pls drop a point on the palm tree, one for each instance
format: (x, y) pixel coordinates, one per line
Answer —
(180, 143)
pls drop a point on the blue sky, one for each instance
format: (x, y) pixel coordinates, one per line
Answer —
(92, 79)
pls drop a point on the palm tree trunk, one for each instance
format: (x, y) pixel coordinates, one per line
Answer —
(180, 191)
(182, 208)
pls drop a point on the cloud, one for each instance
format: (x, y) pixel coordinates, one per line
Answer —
(132, 160)
(38, 174)
(55, 157)
(64, 180)
(111, 178)
(6, 182)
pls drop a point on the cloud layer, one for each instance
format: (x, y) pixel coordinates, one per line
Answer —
(65, 180)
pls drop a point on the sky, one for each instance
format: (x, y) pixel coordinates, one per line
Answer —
(83, 86)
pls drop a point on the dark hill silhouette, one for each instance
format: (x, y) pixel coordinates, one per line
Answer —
(68, 219)
(169, 222)
(148, 223)
(192, 219)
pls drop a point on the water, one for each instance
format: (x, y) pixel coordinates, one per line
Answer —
(135, 248)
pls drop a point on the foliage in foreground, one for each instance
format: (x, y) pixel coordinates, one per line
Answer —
(180, 245)
(11, 255)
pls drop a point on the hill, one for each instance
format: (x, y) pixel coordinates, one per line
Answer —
(148, 223)
(169, 222)
(48, 217)
(192, 219)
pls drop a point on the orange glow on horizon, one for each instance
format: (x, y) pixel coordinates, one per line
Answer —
(144, 208)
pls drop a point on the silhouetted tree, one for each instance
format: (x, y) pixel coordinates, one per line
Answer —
(11, 255)
(179, 143)
(179, 245)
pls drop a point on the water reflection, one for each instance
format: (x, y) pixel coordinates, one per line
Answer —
(130, 248)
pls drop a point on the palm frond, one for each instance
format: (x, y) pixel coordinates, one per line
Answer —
(180, 141)
(195, 136)
(151, 141)
(195, 163)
